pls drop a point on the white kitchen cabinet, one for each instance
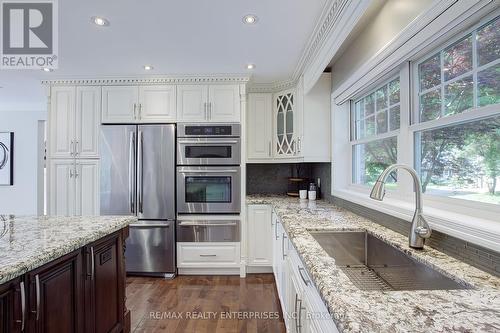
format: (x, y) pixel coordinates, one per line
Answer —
(88, 112)
(260, 247)
(208, 103)
(300, 124)
(73, 187)
(139, 104)
(224, 103)
(87, 187)
(286, 120)
(157, 104)
(62, 122)
(120, 104)
(260, 126)
(192, 103)
(62, 187)
(74, 122)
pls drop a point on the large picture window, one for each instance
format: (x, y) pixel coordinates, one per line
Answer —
(462, 76)
(457, 130)
(374, 122)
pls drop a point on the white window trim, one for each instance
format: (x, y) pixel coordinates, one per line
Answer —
(472, 221)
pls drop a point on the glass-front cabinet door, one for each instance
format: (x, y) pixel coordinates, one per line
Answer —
(285, 124)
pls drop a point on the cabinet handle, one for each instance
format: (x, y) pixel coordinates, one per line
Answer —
(299, 316)
(297, 327)
(299, 144)
(135, 111)
(70, 173)
(140, 111)
(92, 263)
(76, 173)
(76, 147)
(210, 111)
(37, 288)
(71, 148)
(276, 230)
(206, 110)
(301, 270)
(23, 306)
(208, 255)
(283, 246)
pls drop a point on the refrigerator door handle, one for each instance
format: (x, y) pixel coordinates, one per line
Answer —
(131, 176)
(140, 179)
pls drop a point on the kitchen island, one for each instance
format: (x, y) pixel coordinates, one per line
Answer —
(475, 309)
(63, 274)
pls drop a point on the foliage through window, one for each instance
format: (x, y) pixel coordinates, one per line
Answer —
(375, 116)
(461, 161)
(462, 76)
(460, 157)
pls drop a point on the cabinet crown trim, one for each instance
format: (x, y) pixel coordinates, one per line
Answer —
(188, 79)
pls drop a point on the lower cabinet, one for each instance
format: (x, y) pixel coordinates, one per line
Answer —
(194, 258)
(11, 318)
(303, 308)
(83, 291)
(259, 235)
(56, 288)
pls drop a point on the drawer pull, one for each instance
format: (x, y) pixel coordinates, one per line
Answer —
(301, 270)
(208, 255)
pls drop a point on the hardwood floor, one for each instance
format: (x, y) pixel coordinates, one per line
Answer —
(201, 304)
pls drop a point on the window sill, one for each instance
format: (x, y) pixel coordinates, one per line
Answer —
(480, 231)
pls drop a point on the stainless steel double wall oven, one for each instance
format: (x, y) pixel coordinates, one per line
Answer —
(208, 181)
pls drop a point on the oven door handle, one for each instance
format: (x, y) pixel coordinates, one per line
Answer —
(209, 171)
(206, 142)
(193, 224)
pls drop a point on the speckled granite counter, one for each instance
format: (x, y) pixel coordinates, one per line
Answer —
(355, 310)
(30, 242)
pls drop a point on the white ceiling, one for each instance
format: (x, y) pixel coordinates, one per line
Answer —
(176, 37)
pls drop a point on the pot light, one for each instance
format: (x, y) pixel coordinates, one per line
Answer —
(250, 19)
(100, 21)
(148, 67)
(251, 66)
(46, 69)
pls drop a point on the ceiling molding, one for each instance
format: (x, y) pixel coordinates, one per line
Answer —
(337, 16)
(177, 79)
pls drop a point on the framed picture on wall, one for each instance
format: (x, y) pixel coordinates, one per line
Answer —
(6, 158)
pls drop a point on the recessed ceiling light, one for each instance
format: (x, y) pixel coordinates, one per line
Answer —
(46, 69)
(250, 19)
(148, 67)
(251, 66)
(100, 21)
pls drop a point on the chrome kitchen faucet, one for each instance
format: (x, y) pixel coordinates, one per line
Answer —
(420, 229)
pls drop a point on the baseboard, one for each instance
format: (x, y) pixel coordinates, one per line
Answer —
(209, 271)
(259, 269)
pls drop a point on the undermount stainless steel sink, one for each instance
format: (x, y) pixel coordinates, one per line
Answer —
(372, 264)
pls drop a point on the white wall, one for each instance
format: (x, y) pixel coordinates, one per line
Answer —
(382, 26)
(21, 198)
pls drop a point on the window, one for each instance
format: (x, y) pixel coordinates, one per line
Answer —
(457, 135)
(462, 76)
(374, 120)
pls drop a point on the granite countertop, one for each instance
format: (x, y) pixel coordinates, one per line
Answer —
(355, 310)
(28, 242)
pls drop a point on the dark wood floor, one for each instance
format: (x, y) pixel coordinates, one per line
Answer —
(178, 305)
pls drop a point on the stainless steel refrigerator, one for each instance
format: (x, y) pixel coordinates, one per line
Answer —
(138, 178)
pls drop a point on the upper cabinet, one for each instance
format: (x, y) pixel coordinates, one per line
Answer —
(300, 124)
(208, 103)
(138, 104)
(286, 134)
(74, 122)
(260, 127)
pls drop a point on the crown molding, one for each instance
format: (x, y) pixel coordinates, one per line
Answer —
(337, 19)
(177, 79)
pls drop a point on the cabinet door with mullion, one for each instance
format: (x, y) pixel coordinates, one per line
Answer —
(285, 124)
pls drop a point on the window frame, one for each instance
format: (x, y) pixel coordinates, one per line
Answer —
(353, 141)
(409, 109)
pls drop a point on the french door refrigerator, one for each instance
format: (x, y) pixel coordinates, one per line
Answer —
(138, 179)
